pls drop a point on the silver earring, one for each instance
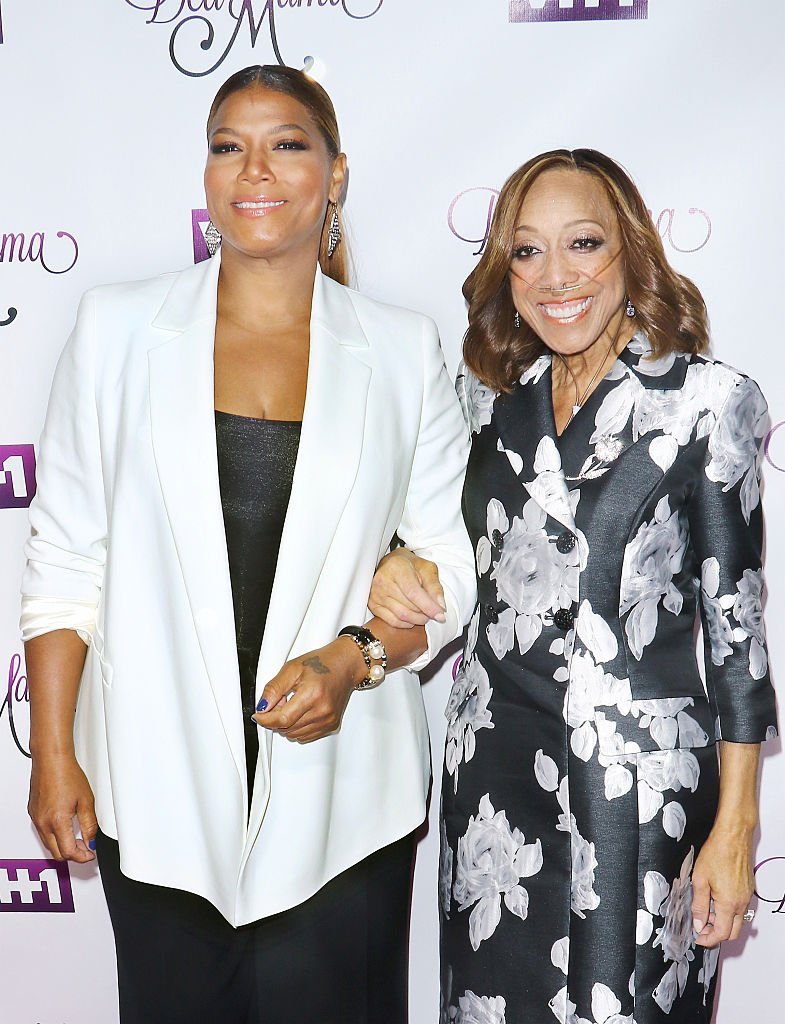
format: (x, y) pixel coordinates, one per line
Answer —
(517, 319)
(212, 238)
(629, 309)
(333, 233)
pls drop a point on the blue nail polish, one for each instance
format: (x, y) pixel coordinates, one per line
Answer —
(262, 705)
(91, 844)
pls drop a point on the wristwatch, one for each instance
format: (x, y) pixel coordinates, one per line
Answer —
(373, 652)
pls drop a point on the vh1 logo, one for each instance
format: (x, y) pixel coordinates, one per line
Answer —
(578, 10)
(205, 235)
(35, 886)
(17, 475)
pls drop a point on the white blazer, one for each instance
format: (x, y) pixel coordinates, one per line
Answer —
(128, 516)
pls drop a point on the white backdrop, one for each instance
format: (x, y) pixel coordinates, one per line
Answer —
(103, 107)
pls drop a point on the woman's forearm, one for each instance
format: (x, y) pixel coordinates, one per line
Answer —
(403, 646)
(54, 668)
(737, 812)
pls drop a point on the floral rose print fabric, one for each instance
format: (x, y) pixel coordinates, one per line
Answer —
(581, 775)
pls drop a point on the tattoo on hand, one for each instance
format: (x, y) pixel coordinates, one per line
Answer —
(316, 663)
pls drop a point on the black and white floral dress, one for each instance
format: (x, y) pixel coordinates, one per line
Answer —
(581, 775)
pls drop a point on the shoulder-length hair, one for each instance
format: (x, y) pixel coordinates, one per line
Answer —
(317, 102)
(669, 307)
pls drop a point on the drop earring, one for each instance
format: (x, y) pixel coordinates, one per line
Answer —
(629, 309)
(517, 320)
(212, 238)
(333, 232)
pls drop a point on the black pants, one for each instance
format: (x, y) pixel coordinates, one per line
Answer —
(338, 958)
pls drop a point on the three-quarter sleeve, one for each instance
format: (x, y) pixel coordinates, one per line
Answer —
(432, 524)
(726, 527)
(66, 551)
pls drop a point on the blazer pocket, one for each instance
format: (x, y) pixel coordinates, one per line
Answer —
(658, 724)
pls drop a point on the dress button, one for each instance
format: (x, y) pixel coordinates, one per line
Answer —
(497, 539)
(491, 613)
(563, 618)
(565, 542)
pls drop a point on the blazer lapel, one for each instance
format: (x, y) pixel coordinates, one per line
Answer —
(527, 435)
(327, 461)
(620, 411)
(328, 458)
(183, 430)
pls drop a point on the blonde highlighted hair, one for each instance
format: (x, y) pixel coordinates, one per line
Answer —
(669, 307)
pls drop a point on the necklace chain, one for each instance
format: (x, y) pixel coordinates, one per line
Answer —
(579, 400)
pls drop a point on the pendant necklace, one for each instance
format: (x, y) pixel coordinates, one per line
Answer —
(580, 399)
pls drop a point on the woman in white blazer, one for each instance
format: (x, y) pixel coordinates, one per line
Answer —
(245, 880)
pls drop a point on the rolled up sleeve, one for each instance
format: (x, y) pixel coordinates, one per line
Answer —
(432, 524)
(66, 551)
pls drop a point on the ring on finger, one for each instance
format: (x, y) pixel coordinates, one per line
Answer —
(748, 915)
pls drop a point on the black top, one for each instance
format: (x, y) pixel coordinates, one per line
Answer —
(256, 461)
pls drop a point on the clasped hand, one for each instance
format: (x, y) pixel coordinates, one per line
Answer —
(307, 698)
(406, 591)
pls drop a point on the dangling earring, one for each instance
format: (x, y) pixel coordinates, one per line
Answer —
(333, 233)
(517, 319)
(629, 309)
(212, 238)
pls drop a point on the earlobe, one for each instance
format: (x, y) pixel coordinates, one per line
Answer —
(338, 178)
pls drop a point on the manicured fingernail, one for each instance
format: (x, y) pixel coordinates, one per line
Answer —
(262, 705)
(91, 844)
(697, 925)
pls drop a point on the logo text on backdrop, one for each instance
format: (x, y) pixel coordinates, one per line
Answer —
(17, 475)
(15, 701)
(470, 214)
(35, 886)
(770, 879)
(16, 247)
(578, 10)
(214, 26)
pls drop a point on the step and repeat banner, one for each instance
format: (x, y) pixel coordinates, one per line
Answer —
(103, 110)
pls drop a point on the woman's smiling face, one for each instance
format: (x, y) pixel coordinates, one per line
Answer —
(567, 269)
(269, 175)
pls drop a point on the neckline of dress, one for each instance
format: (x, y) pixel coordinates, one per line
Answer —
(257, 419)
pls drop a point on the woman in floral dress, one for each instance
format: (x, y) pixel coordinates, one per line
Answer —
(598, 801)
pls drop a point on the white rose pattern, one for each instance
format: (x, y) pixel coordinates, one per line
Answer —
(492, 858)
(605, 1008)
(745, 606)
(532, 576)
(647, 753)
(734, 445)
(651, 560)
(474, 1009)
(467, 708)
(675, 937)
(583, 860)
(445, 870)
(476, 399)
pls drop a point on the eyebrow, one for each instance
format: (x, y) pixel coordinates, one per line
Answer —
(279, 129)
(572, 224)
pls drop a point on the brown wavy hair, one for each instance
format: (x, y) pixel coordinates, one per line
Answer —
(669, 307)
(316, 101)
